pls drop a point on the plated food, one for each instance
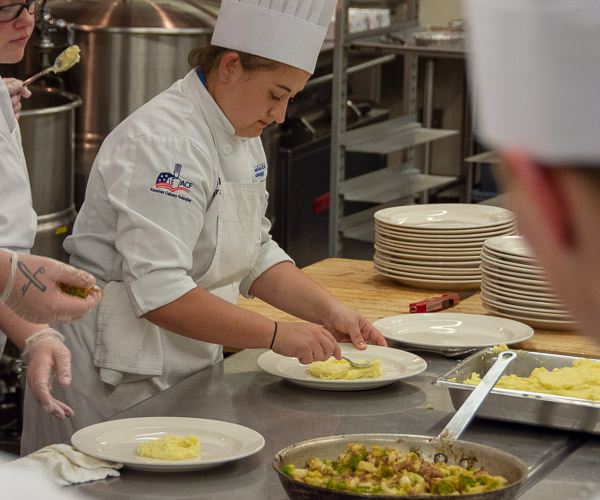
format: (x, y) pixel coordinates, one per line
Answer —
(340, 369)
(389, 471)
(171, 447)
(118, 440)
(395, 365)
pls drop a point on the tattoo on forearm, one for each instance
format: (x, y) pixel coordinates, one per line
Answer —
(32, 277)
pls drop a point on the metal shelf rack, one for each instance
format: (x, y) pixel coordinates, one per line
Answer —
(394, 184)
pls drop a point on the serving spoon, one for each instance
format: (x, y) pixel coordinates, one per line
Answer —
(64, 61)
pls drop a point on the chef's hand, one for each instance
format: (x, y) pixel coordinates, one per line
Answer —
(347, 325)
(47, 356)
(306, 341)
(32, 292)
(16, 91)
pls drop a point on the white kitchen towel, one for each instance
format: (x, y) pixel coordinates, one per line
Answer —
(124, 342)
(66, 465)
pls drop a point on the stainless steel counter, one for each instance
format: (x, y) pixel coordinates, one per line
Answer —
(236, 390)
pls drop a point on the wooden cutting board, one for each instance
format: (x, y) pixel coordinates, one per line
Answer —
(356, 283)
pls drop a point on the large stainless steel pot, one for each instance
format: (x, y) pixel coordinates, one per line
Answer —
(130, 51)
(48, 137)
(495, 462)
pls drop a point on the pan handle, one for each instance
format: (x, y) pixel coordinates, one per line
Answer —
(468, 409)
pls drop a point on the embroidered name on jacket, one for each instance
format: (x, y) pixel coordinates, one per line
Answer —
(171, 184)
(260, 172)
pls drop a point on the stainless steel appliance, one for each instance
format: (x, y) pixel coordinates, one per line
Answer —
(130, 51)
(48, 137)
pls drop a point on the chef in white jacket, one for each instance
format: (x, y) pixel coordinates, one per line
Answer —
(173, 226)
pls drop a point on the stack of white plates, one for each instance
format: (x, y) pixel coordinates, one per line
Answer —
(513, 285)
(437, 246)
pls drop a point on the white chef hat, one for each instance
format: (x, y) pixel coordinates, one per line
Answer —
(535, 75)
(288, 31)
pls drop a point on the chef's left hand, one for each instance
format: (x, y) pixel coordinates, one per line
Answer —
(347, 325)
(47, 357)
(16, 91)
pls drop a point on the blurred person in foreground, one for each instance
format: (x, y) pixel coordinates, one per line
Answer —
(29, 295)
(535, 68)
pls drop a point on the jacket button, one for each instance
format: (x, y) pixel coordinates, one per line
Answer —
(227, 149)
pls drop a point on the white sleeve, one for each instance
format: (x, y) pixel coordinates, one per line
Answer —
(157, 230)
(18, 220)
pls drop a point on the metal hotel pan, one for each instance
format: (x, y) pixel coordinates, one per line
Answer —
(544, 410)
(496, 462)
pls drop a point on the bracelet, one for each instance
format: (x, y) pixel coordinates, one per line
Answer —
(274, 333)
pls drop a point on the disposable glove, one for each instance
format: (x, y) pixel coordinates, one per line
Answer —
(47, 357)
(31, 289)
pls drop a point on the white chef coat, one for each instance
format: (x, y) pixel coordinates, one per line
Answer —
(18, 220)
(153, 219)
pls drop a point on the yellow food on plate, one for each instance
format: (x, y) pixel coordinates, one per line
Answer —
(334, 369)
(171, 448)
(582, 380)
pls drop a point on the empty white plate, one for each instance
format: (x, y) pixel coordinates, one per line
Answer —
(452, 330)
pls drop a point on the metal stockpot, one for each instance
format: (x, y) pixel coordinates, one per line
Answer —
(131, 50)
(48, 136)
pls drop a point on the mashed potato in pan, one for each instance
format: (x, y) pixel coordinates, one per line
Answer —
(582, 380)
(171, 448)
(334, 369)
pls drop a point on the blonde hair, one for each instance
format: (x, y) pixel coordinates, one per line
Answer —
(207, 58)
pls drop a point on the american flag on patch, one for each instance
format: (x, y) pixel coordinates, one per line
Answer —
(166, 179)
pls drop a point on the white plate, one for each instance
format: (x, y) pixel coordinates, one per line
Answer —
(427, 243)
(398, 273)
(452, 330)
(117, 441)
(499, 260)
(508, 289)
(510, 245)
(445, 215)
(468, 273)
(419, 231)
(472, 264)
(525, 309)
(429, 254)
(545, 324)
(395, 365)
(454, 238)
(509, 298)
(489, 232)
(511, 293)
(432, 283)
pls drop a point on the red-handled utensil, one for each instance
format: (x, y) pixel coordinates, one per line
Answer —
(439, 303)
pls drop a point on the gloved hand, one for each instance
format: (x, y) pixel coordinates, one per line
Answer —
(16, 91)
(33, 293)
(46, 355)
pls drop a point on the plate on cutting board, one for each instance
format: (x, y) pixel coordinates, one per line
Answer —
(452, 330)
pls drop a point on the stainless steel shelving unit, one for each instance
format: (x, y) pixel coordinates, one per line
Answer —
(395, 184)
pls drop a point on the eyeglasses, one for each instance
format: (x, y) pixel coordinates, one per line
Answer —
(11, 12)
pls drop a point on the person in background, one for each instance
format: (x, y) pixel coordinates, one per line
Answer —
(29, 296)
(173, 226)
(535, 67)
